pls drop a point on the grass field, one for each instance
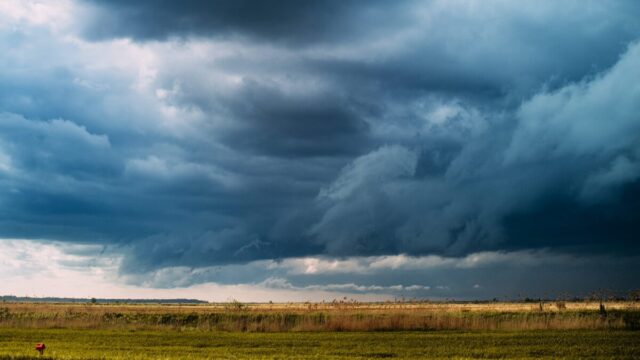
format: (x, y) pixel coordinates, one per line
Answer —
(199, 344)
(321, 331)
(325, 317)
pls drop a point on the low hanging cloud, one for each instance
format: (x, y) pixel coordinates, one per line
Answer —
(556, 151)
(211, 134)
(279, 283)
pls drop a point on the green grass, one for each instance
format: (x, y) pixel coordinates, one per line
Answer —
(199, 344)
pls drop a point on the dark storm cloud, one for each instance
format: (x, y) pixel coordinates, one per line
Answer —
(316, 125)
(560, 148)
(459, 47)
(484, 275)
(280, 20)
(324, 128)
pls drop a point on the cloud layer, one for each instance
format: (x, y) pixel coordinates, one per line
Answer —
(45, 268)
(221, 134)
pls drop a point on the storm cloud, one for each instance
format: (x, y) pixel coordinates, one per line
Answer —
(286, 21)
(195, 134)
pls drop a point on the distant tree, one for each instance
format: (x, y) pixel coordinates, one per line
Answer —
(234, 305)
(94, 300)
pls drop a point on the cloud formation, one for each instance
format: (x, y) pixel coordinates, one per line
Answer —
(227, 133)
(288, 21)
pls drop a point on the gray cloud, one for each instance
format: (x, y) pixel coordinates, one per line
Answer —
(555, 148)
(477, 276)
(216, 134)
(281, 20)
(304, 125)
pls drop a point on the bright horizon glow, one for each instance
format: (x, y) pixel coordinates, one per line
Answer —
(56, 269)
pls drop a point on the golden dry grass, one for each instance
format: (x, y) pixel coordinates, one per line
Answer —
(331, 307)
(335, 316)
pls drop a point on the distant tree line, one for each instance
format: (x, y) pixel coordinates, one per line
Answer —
(12, 298)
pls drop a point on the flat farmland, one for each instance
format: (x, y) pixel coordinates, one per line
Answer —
(199, 344)
(335, 316)
(551, 330)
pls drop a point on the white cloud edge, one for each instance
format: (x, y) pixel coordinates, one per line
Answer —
(50, 268)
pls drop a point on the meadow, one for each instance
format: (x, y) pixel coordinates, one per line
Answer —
(200, 344)
(333, 316)
(337, 330)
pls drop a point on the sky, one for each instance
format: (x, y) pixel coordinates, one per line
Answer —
(294, 151)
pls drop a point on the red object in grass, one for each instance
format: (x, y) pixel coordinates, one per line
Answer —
(40, 347)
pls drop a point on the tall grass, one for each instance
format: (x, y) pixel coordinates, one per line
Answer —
(324, 317)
